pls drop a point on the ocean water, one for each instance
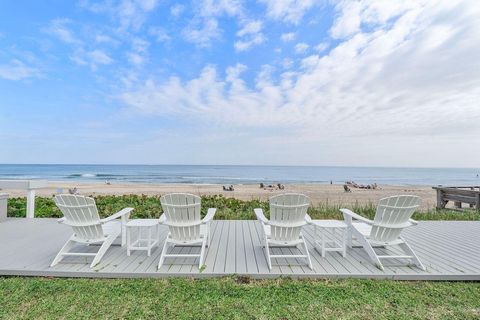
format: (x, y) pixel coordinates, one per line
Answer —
(209, 174)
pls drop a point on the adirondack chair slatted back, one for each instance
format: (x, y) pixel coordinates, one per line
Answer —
(287, 216)
(182, 212)
(81, 214)
(391, 217)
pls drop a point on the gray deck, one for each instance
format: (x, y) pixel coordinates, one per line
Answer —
(450, 251)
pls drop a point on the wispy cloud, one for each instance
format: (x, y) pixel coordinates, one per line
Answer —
(17, 70)
(138, 54)
(250, 35)
(92, 58)
(202, 35)
(321, 47)
(291, 11)
(176, 10)
(130, 14)
(204, 27)
(301, 47)
(286, 37)
(160, 33)
(59, 28)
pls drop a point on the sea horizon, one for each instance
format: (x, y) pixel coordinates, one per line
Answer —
(239, 174)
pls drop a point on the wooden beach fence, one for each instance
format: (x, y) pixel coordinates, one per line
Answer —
(469, 195)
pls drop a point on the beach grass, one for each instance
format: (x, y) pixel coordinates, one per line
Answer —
(228, 208)
(235, 298)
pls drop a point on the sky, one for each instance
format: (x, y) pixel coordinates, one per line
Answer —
(267, 82)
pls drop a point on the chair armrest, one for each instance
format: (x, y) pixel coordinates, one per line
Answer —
(124, 214)
(308, 219)
(260, 215)
(352, 215)
(210, 215)
(162, 219)
(61, 220)
(413, 222)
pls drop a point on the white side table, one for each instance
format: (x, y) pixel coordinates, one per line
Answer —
(150, 227)
(329, 242)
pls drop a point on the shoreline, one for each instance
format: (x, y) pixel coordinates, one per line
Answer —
(318, 193)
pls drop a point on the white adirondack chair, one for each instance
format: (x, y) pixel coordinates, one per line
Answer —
(81, 214)
(392, 216)
(185, 225)
(288, 214)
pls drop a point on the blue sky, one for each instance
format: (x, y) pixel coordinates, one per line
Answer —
(389, 83)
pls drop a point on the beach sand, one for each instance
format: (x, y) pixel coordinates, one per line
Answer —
(319, 193)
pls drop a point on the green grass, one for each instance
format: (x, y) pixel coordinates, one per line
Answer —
(228, 208)
(236, 298)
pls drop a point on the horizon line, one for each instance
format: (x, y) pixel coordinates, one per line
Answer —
(233, 165)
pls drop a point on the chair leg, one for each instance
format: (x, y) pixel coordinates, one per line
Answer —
(202, 254)
(149, 245)
(66, 247)
(408, 250)
(208, 235)
(267, 253)
(369, 249)
(103, 249)
(129, 240)
(349, 237)
(309, 261)
(164, 252)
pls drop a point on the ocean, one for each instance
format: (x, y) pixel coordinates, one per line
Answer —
(229, 174)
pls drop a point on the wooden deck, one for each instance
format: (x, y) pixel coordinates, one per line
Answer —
(450, 251)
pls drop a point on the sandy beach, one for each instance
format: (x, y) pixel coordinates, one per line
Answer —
(319, 193)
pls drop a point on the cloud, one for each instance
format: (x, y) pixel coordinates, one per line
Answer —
(301, 47)
(99, 57)
(291, 11)
(102, 38)
(204, 27)
(349, 20)
(413, 76)
(215, 8)
(130, 14)
(351, 14)
(286, 37)
(160, 34)
(204, 35)
(244, 45)
(58, 28)
(91, 58)
(17, 70)
(252, 27)
(176, 10)
(251, 35)
(321, 47)
(138, 55)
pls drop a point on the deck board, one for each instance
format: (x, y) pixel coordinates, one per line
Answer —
(449, 250)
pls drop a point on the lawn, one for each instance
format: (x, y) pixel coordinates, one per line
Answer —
(236, 298)
(228, 208)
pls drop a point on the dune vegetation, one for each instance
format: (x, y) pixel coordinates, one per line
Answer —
(228, 208)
